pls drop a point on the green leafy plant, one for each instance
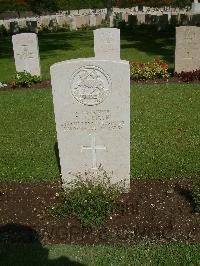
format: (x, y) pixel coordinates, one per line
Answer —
(157, 69)
(196, 195)
(3, 31)
(25, 79)
(89, 201)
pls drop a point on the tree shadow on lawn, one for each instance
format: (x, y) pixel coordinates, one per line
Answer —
(147, 39)
(20, 246)
(51, 41)
(64, 41)
(6, 50)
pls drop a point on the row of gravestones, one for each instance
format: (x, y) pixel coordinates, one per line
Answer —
(28, 14)
(163, 20)
(92, 103)
(52, 22)
(95, 20)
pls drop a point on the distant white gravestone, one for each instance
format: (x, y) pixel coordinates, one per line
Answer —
(26, 53)
(92, 112)
(107, 43)
(187, 54)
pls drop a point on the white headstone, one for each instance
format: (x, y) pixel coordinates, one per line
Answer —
(112, 21)
(93, 21)
(72, 23)
(195, 7)
(187, 53)
(99, 19)
(92, 112)
(107, 43)
(26, 53)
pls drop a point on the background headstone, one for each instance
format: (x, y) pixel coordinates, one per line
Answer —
(196, 7)
(31, 25)
(141, 19)
(72, 23)
(26, 53)
(132, 20)
(93, 21)
(107, 43)
(14, 27)
(187, 54)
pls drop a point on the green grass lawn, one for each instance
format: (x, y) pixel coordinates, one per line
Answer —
(165, 139)
(138, 44)
(65, 255)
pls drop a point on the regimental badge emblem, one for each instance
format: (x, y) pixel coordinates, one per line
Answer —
(90, 85)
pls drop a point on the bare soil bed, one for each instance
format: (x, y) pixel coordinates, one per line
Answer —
(154, 211)
(47, 83)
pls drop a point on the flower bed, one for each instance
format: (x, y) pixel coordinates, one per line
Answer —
(156, 69)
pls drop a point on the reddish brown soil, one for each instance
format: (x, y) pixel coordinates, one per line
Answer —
(153, 211)
(172, 80)
(47, 83)
(41, 85)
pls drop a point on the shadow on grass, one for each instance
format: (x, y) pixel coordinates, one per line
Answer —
(52, 41)
(6, 50)
(147, 39)
(56, 150)
(143, 38)
(64, 41)
(20, 246)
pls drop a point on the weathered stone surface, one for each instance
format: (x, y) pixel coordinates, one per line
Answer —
(92, 112)
(187, 54)
(26, 53)
(107, 43)
(93, 21)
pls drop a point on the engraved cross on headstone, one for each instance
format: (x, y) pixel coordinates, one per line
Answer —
(93, 148)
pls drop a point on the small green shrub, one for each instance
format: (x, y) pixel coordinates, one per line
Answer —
(3, 31)
(90, 202)
(25, 79)
(196, 195)
(157, 69)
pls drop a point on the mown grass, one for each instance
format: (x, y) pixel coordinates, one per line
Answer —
(165, 126)
(27, 136)
(149, 254)
(141, 43)
(165, 139)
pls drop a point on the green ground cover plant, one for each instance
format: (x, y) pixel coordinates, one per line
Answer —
(25, 79)
(90, 201)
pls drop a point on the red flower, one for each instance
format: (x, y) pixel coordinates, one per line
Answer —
(13, 84)
(136, 62)
(164, 66)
